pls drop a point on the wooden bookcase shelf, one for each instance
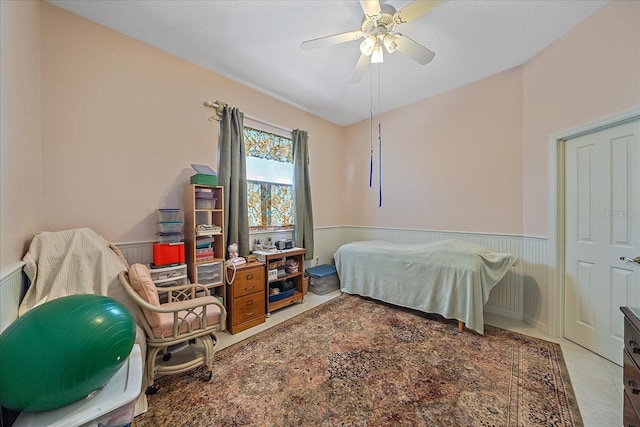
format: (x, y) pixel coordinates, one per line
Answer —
(203, 205)
(269, 258)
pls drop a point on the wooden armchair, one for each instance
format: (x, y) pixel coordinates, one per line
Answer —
(190, 316)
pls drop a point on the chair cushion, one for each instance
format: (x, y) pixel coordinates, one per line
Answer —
(140, 280)
(189, 321)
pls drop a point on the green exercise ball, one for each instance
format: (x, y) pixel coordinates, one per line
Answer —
(61, 351)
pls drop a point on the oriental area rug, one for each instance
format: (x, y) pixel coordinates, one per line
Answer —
(357, 362)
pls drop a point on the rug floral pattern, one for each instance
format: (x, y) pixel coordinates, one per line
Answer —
(357, 362)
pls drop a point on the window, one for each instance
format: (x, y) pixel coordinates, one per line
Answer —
(269, 180)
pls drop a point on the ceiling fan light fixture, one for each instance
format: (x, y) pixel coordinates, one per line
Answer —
(367, 46)
(377, 28)
(376, 56)
(390, 42)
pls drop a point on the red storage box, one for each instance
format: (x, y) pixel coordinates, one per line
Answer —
(168, 253)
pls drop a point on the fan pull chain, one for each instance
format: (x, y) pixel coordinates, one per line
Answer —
(371, 150)
(380, 162)
(371, 132)
(379, 144)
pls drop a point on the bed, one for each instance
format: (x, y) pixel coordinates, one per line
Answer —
(451, 278)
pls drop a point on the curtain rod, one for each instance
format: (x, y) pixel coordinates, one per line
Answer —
(219, 105)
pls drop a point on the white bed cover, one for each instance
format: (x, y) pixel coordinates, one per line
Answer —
(451, 278)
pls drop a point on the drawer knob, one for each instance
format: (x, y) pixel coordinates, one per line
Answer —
(632, 383)
(248, 288)
(249, 276)
(251, 314)
(634, 346)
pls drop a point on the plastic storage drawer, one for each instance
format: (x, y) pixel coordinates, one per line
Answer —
(209, 274)
(169, 276)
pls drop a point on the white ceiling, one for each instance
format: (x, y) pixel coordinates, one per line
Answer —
(257, 43)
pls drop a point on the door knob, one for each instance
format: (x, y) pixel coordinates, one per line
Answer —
(636, 259)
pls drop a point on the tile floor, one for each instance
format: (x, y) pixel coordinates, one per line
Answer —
(596, 381)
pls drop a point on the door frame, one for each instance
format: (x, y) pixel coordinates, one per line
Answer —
(556, 208)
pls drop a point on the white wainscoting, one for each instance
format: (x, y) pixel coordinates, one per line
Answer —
(137, 252)
(524, 294)
(12, 286)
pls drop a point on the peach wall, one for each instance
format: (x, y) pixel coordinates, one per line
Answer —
(123, 121)
(475, 158)
(20, 189)
(450, 162)
(590, 73)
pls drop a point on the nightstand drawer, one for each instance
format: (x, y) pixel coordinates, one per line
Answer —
(631, 376)
(629, 416)
(248, 307)
(632, 341)
(248, 281)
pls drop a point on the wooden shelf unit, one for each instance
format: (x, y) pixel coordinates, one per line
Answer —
(208, 272)
(297, 278)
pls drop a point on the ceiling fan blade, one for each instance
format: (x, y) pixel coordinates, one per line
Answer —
(361, 67)
(415, 10)
(371, 8)
(413, 49)
(329, 40)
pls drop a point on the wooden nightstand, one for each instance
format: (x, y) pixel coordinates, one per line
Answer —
(631, 372)
(246, 304)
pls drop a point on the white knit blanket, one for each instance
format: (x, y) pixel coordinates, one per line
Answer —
(78, 261)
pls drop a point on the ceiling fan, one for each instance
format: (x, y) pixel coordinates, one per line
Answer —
(378, 29)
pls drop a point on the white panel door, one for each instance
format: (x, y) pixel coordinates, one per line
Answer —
(602, 225)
